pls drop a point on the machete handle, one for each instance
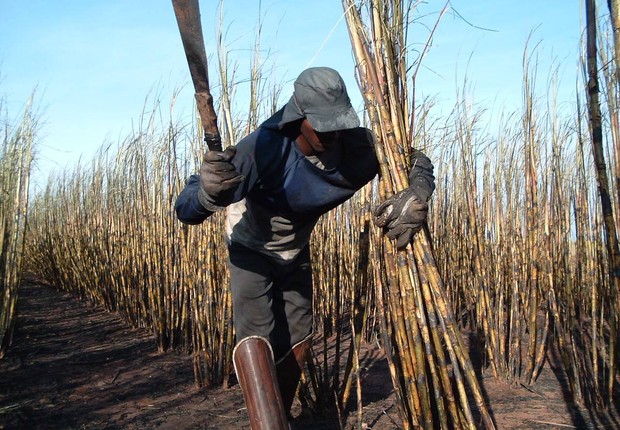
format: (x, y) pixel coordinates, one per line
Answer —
(208, 117)
(214, 143)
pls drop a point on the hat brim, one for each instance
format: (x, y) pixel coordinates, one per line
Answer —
(334, 121)
(321, 122)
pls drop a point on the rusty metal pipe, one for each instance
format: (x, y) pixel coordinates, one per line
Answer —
(256, 372)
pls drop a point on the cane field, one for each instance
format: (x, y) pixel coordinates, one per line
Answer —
(517, 274)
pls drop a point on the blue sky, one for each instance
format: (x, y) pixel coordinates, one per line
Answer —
(93, 63)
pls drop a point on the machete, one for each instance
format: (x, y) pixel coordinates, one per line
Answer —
(188, 19)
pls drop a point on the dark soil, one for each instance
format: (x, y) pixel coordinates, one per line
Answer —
(75, 366)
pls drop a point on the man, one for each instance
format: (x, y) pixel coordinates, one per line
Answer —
(306, 159)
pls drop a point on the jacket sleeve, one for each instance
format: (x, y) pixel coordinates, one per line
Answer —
(421, 177)
(187, 206)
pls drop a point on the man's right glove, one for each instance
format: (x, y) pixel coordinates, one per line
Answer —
(218, 179)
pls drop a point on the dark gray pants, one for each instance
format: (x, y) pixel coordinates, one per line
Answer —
(270, 299)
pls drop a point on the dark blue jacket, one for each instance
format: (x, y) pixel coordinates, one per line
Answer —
(279, 177)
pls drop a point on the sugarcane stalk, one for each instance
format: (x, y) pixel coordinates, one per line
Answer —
(613, 248)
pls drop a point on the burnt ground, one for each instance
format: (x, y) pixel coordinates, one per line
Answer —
(75, 366)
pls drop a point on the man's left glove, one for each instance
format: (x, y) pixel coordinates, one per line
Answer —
(218, 179)
(402, 215)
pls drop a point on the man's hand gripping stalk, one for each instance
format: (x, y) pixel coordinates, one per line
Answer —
(404, 214)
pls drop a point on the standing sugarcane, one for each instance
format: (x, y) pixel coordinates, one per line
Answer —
(16, 155)
(596, 131)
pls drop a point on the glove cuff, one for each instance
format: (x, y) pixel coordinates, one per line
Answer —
(206, 202)
(421, 188)
(421, 178)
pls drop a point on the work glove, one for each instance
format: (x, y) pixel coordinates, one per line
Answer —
(218, 179)
(404, 214)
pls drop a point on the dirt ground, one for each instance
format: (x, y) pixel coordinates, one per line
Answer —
(75, 366)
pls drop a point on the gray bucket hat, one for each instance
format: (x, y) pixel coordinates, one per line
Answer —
(321, 96)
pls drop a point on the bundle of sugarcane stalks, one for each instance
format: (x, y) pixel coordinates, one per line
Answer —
(430, 365)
